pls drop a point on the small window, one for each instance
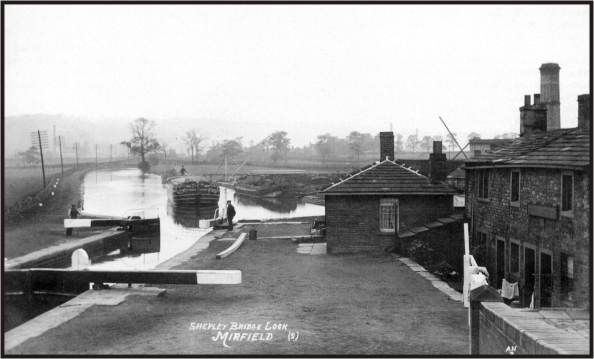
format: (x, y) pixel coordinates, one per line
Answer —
(566, 273)
(483, 184)
(515, 186)
(566, 193)
(388, 215)
(514, 258)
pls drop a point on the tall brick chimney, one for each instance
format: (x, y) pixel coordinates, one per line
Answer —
(585, 112)
(437, 164)
(387, 146)
(533, 118)
(549, 90)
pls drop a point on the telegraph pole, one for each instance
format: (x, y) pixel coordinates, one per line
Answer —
(41, 153)
(96, 156)
(110, 153)
(76, 153)
(61, 160)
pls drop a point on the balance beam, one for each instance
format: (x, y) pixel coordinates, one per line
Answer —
(90, 222)
(20, 279)
(232, 248)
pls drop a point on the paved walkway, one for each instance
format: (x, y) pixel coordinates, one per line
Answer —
(288, 303)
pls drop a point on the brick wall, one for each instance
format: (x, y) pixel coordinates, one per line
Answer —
(353, 221)
(498, 218)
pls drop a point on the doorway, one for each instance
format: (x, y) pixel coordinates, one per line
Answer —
(546, 279)
(529, 270)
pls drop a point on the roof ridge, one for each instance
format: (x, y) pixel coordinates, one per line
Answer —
(417, 172)
(356, 174)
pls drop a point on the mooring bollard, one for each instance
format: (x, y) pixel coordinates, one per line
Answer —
(253, 234)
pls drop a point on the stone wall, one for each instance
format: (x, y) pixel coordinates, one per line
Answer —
(353, 221)
(498, 218)
(508, 331)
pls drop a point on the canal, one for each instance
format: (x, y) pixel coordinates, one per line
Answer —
(128, 192)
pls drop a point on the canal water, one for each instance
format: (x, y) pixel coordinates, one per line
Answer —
(122, 193)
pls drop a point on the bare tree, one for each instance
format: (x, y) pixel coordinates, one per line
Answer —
(143, 141)
(279, 143)
(193, 141)
(355, 140)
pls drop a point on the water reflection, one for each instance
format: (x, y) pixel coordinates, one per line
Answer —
(190, 216)
(122, 193)
(268, 208)
(285, 205)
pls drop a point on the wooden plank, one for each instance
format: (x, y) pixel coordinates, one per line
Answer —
(547, 212)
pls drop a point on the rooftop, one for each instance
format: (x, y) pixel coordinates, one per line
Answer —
(567, 148)
(490, 141)
(387, 177)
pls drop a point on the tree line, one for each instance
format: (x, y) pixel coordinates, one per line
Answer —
(277, 146)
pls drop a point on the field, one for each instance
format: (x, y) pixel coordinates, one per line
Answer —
(24, 181)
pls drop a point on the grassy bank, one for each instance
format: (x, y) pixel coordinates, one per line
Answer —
(351, 304)
(43, 226)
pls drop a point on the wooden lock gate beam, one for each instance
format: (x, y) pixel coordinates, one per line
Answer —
(28, 279)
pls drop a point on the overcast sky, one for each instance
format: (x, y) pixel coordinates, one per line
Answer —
(303, 69)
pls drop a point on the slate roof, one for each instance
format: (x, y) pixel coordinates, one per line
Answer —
(562, 148)
(387, 177)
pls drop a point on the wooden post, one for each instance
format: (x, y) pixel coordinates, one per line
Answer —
(41, 154)
(61, 160)
(96, 156)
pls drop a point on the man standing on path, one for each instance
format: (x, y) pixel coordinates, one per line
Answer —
(72, 213)
(230, 214)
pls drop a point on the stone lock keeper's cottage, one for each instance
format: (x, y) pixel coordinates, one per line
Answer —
(366, 210)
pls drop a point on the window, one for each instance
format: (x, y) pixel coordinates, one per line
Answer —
(514, 258)
(388, 215)
(515, 186)
(566, 273)
(483, 184)
(566, 192)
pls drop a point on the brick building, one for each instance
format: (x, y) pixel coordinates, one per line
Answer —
(528, 204)
(366, 210)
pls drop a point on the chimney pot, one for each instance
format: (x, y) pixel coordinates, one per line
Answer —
(549, 90)
(537, 99)
(585, 111)
(526, 100)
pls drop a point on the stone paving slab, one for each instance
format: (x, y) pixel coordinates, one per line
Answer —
(71, 309)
